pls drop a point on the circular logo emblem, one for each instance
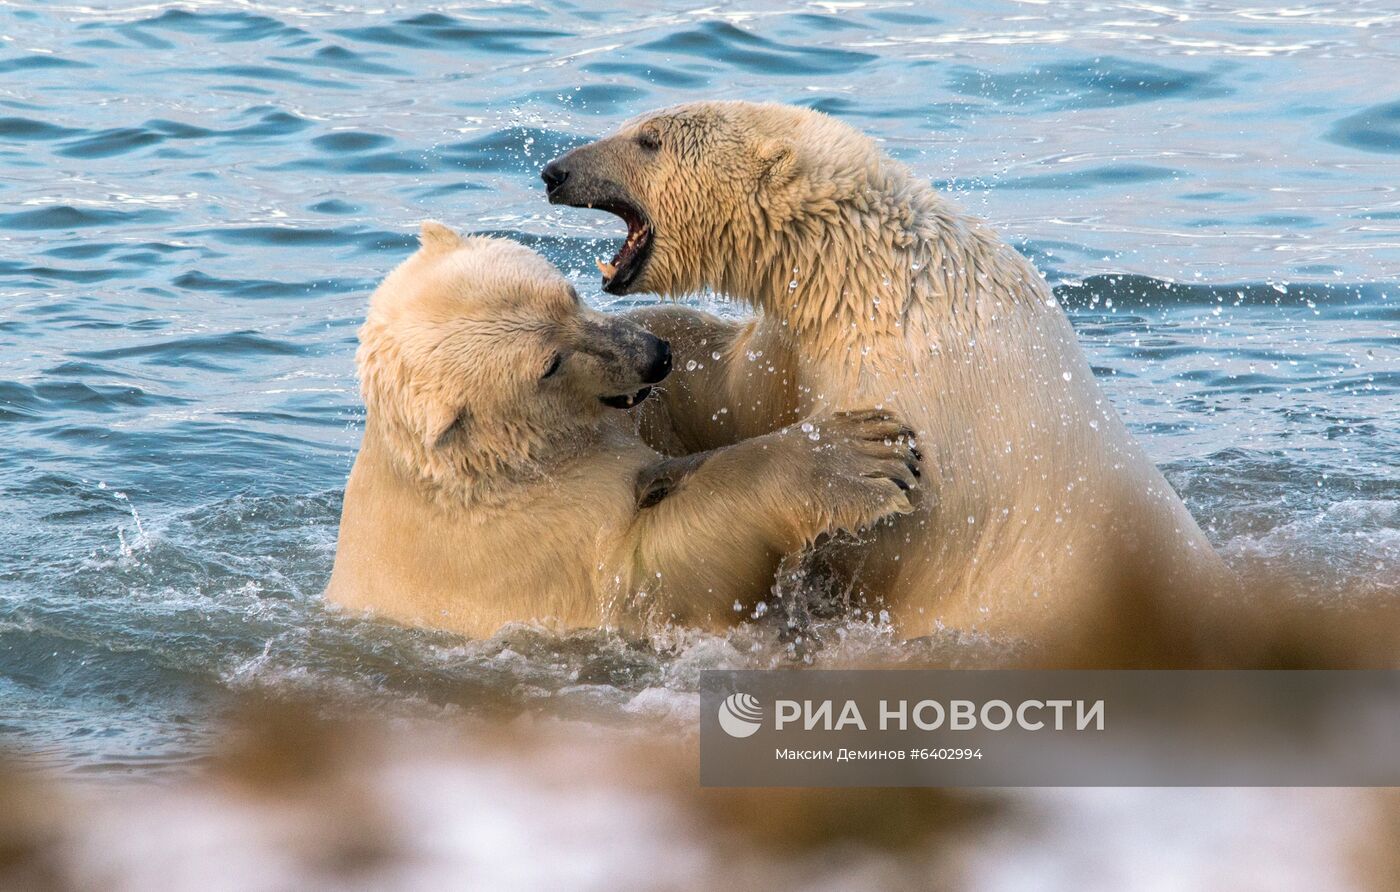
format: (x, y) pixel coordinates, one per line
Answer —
(740, 715)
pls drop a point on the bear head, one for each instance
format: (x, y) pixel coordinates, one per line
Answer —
(703, 184)
(477, 357)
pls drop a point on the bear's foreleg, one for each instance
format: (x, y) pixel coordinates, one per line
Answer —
(732, 381)
(712, 528)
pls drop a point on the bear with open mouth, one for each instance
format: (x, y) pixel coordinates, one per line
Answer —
(870, 288)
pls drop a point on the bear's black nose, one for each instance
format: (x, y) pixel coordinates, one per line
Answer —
(660, 364)
(554, 176)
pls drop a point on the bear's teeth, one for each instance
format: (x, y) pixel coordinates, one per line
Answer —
(607, 269)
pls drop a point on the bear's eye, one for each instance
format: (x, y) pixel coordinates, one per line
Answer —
(554, 365)
(648, 140)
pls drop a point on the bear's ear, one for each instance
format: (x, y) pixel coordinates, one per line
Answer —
(444, 423)
(779, 160)
(435, 237)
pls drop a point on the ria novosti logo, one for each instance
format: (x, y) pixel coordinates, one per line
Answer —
(740, 715)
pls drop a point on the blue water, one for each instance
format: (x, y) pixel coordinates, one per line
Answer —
(194, 205)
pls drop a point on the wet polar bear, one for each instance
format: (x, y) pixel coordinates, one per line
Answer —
(871, 289)
(499, 478)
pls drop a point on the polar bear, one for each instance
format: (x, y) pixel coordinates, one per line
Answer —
(872, 289)
(500, 477)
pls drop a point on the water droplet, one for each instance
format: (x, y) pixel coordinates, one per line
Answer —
(1068, 376)
(690, 365)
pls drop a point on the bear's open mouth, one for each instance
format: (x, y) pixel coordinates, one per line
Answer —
(626, 400)
(627, 264)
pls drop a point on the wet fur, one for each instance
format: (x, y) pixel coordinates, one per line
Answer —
(871, 289)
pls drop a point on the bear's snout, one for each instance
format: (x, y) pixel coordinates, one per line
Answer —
(660, 365)
(554, 175)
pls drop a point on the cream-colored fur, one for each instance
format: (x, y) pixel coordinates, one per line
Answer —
(494, 485)
(871, 289)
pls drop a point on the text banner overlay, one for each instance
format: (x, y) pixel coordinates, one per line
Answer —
(1017, 728)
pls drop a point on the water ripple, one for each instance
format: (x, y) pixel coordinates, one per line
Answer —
(729, 45)
(34, 62)
(69, 217)
(26, 128)
(1375, 129)
(1100, 82)
(437, 31)
(232, 27)
(513, 149)
(1105, 175)
(236, 343)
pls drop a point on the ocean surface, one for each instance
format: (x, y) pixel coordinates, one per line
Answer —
(195, 204)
